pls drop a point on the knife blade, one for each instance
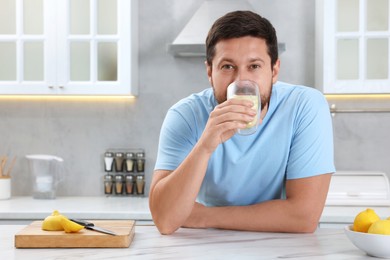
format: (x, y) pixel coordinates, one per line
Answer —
(91, 226)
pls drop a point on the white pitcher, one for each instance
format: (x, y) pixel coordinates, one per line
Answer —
(47, 172)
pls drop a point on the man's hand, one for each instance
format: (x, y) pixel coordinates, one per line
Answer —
(224, 121)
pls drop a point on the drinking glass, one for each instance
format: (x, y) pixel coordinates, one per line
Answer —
(246, 89)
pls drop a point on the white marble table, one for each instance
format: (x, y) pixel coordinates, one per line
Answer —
(201, 244)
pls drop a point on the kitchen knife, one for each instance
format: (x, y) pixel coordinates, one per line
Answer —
(91, 226)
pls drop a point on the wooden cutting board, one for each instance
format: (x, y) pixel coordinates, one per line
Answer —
(33, 236)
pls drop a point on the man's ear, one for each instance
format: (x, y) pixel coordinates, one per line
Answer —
(275, 71)
(209, 72)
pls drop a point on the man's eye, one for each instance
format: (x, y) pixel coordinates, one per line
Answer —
(255, 66)
(227, 67)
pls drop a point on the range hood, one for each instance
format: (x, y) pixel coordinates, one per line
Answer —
(191, 40)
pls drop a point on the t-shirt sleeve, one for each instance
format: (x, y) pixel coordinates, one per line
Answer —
(311, 150)
(175, 142)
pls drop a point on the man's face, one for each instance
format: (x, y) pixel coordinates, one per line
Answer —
(244, 58)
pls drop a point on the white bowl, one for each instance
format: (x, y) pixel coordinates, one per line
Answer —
(372, 244)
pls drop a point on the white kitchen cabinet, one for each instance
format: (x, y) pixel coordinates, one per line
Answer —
(68, 47)
(352, 46)
(351, 192)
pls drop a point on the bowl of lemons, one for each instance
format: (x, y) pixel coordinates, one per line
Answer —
(370, 233)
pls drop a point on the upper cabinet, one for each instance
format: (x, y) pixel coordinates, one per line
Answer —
(68, 47)
(352, 46)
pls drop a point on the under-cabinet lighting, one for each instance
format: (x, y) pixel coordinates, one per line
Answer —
(357, 96)
(65, 98)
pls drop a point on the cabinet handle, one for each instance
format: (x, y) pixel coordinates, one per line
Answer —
(61, 87)
(51, 87)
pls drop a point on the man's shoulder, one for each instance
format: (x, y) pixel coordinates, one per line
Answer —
(299, 93)
(204, 98)
(287, 88)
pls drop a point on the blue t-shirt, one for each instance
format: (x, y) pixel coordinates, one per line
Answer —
(295, 140)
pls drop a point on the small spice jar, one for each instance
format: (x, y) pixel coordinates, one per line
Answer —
(140, 162)
(140, 183)
(129, 184)
(119, 159)
(118, 184)
(129, 162)
(108, 161)
(108, 184)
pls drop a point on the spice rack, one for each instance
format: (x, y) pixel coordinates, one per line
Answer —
(125, 172)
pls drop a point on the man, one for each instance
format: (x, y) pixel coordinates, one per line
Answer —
(275, 180)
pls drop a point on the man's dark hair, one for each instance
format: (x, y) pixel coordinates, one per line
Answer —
(240, 24)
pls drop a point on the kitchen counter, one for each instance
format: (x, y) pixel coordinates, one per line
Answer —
(22, 210)
(25, 209)
(148, 243)
(340, 216)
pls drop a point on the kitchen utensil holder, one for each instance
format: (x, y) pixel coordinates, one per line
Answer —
(125, 172)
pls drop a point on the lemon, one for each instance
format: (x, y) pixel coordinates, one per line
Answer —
(56, 222)
(380, 227)
(70, 226)
(364, 219)
(52, 222)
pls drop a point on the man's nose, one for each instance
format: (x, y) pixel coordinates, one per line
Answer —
(242, 74)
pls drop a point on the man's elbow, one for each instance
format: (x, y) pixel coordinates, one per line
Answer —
(165, 227)
(309, 227)
(308, 224)
(164, 222)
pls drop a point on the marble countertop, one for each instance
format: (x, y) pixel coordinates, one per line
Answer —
(148, 243)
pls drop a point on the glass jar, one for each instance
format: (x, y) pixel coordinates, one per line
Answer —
(119, 159)
(129, 162)
(129, 184)
(108, 184)
(140, 184)
(140, 162)
(108, 161)
(118, 184)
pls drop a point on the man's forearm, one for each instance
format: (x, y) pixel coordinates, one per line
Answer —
(300, 212)
(270, 216)
(172, 198)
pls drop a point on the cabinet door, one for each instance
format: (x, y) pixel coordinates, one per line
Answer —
(68, 47)
(353, 46)
(95, 47)
(25, 43)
